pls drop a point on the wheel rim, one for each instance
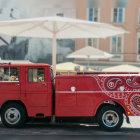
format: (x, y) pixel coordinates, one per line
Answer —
(12, 116)
(110, 118)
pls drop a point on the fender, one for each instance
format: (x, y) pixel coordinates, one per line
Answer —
(113, 100)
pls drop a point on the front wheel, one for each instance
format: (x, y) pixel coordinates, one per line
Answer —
(13, 115)
(110, 118)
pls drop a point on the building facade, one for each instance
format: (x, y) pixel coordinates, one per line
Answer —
(121, 13)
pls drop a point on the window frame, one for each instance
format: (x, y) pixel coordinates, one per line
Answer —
(92, 42)
(138, 15)
(9, 67)
(138, 45)
(122, 44)
(45, 79)
(117, 54)
(138, 55)
(123, 15)
(59, 58)
(60, 14)
(93, 14)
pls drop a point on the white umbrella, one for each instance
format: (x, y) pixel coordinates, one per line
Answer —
(89, 53)
(70, 67)
(58, 27)
(122, 68)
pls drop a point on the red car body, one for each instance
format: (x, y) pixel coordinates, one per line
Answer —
(75, 95)
(36, 96)
(93, 90)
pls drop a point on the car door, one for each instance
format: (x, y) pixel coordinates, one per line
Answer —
(9, 83)
(65, 96)
(36, 86)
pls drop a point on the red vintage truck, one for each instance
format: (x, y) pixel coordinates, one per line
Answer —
(28, 91)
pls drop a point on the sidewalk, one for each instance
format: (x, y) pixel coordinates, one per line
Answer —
(134, 123)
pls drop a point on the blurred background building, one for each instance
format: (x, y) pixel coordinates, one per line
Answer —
(121, 13)
(35, 49)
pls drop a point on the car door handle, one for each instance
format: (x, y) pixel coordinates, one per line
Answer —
(44, 83)
(18, 84)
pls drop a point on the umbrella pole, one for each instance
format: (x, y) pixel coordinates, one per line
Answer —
(88, 61)
(54, 55)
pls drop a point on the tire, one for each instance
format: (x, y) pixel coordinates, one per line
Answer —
(110, 118)
(13, 115)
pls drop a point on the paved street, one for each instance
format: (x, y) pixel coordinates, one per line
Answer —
(44, 129)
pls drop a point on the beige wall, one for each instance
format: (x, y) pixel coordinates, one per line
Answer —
(81, 13)
(130, 24)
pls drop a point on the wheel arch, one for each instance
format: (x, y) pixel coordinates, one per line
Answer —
(110, 102)
(13, 101)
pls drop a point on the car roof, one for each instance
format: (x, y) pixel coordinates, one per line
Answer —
(24, 65)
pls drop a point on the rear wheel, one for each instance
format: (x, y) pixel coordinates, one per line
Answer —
(110, 118)
(13, 115)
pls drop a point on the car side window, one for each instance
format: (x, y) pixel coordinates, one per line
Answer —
(36, 75)
(9, 74)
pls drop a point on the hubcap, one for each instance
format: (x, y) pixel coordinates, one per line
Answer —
(110, 118)
(12, 115)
